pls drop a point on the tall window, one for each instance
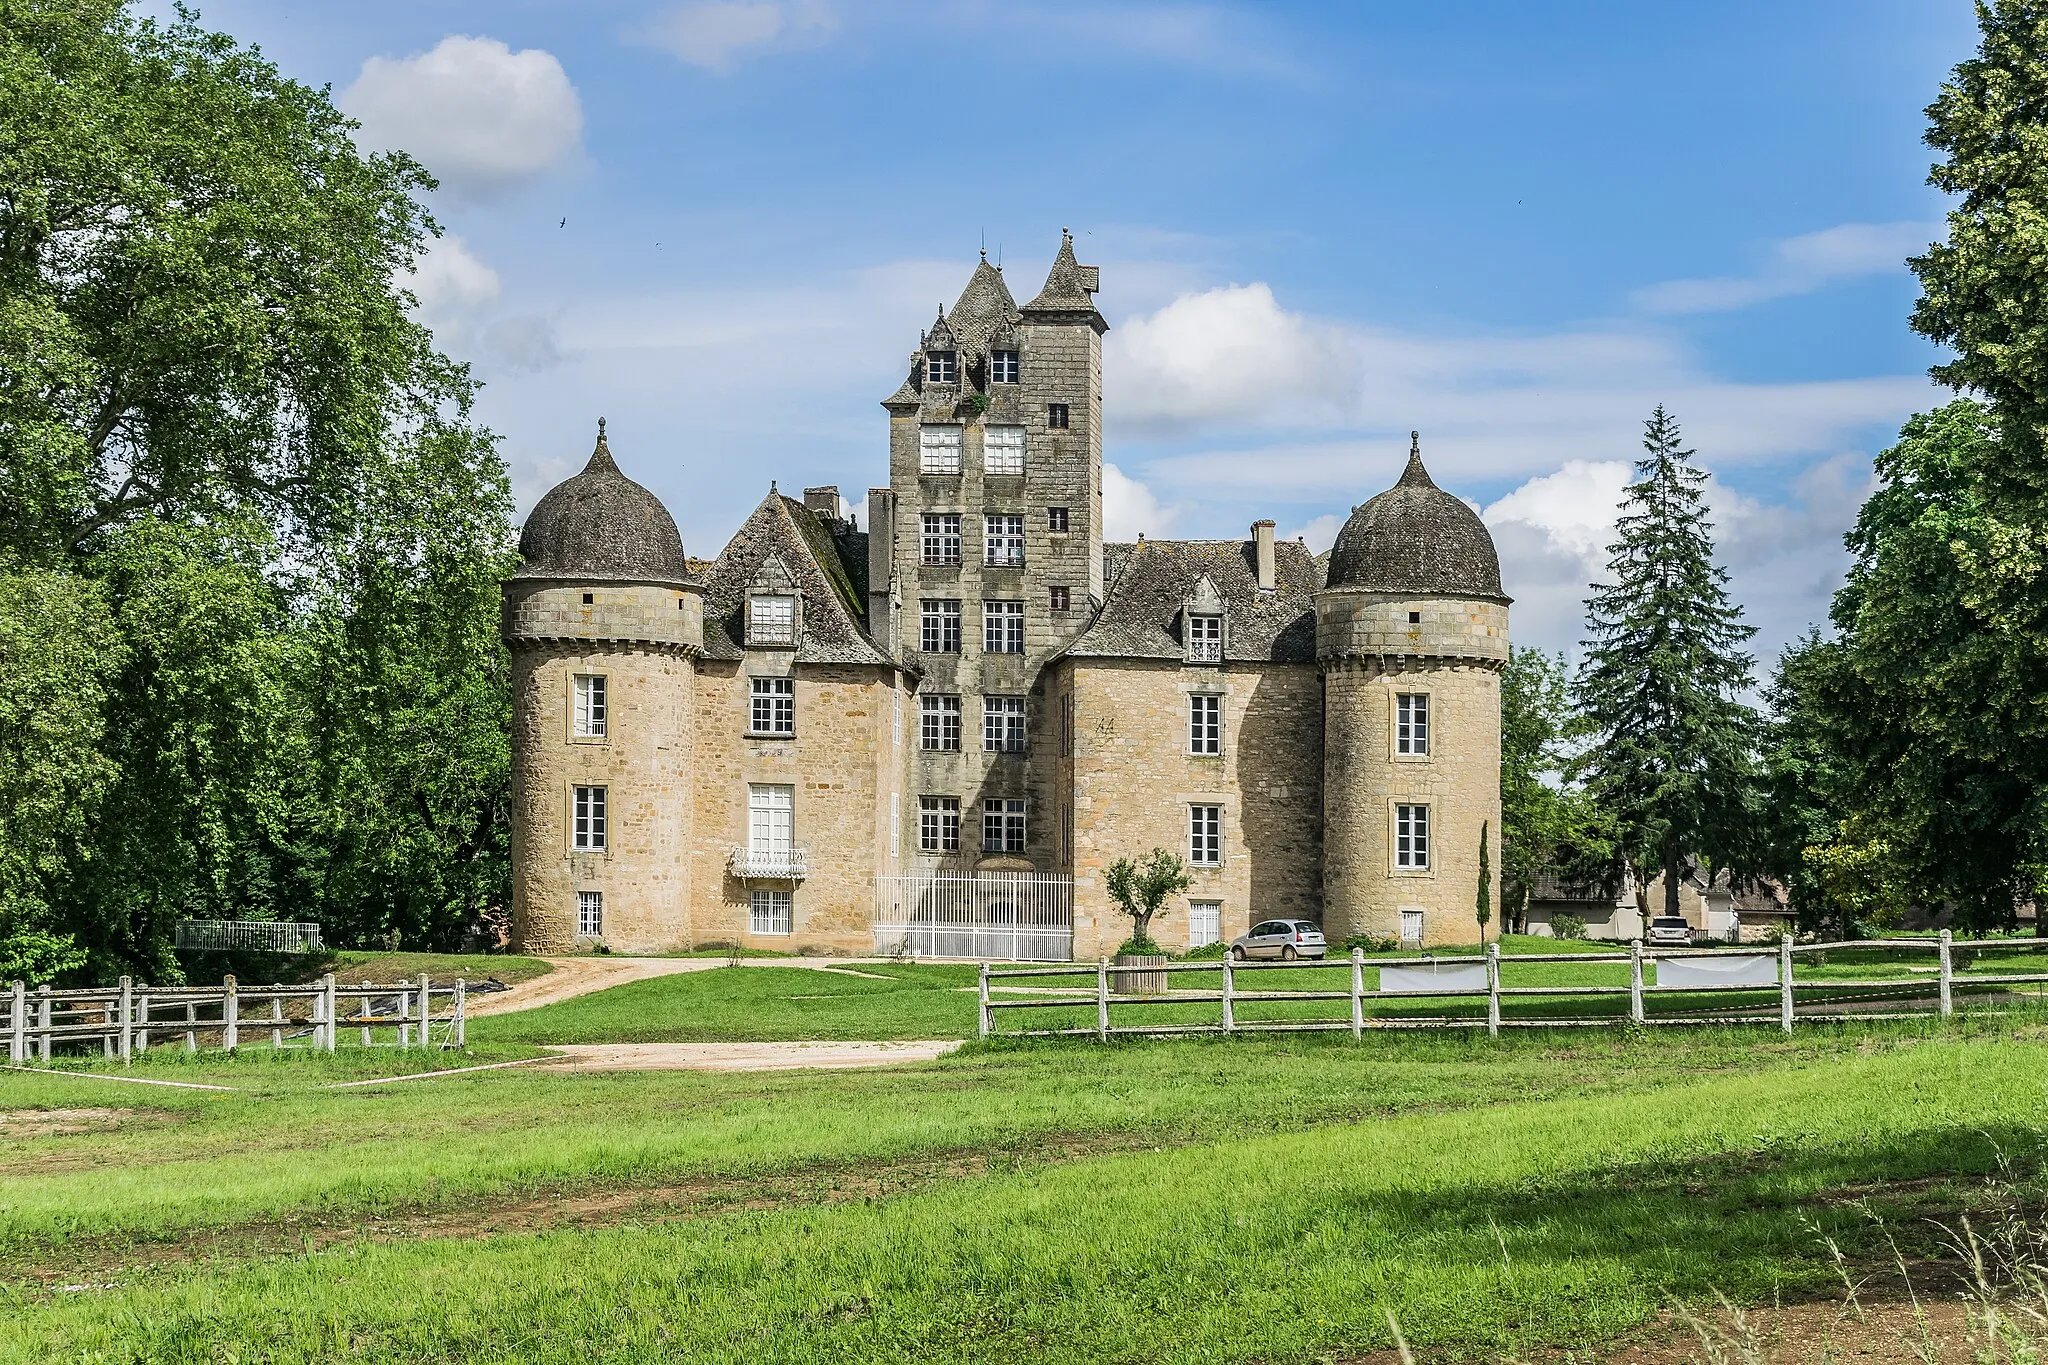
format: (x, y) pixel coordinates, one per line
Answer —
(939, 625)
(589, 914)
(1002, 825)
(938, 720)
(1002, 367)
(941, 537)
(1002, 627)
(938, 824)
(1056, 416)
(942, 367)
(1205, 835)
(1205, 923)
(590, 705)
(1003, 540)
(771, 820)
(1056, 520)
(771, 620)
(588, 828)
(1002, 450)
(1002, 725)
(938, 450)
(774, 709)
(1411, 723)
(1411, 837)
(1205, 724)
(770, 912)
(1205, 639)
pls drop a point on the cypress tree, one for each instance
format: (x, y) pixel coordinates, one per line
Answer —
(1663, 675)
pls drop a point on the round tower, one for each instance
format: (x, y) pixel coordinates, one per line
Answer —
(1411, 633)
(604, 624)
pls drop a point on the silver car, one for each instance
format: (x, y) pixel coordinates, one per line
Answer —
(1669, 929)
(1286, 939)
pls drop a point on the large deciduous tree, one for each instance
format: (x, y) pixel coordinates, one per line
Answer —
(1672, 757)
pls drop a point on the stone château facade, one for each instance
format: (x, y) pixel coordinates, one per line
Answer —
(942, 730)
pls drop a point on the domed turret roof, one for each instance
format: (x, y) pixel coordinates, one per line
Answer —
(599, 525)
(1416, 538)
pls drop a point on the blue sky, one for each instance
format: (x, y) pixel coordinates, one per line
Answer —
(1516, 227)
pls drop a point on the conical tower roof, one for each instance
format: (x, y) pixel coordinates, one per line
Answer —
(1069, 285)
(1416, 538)
(984, 307)
(601, 525)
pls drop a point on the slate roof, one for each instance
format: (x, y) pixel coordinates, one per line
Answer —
(983, 306)
(599, 525)
(834, 608)
(1149, 582)
(1416, 538)
(1069, 286)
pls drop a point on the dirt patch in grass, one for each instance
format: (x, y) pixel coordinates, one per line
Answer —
(98, 1259)
(26, 1123)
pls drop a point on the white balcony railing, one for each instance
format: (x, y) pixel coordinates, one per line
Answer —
(782, 864)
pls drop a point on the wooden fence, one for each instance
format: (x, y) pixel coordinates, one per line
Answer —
(1476, 979)
(126, 1019)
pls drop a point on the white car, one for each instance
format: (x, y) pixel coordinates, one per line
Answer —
(1669, 931)
(1286, 939)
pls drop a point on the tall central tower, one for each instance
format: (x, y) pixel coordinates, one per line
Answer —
(986, 559)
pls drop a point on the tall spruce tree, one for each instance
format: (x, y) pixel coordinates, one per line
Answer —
(1673, 755)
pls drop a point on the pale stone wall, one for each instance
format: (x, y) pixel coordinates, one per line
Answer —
(1132, 781)
(844, 765)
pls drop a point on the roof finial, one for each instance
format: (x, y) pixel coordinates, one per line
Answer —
(601, 455)
(1415, 443)
(771, 485)
(1415, 476)
(600, 428)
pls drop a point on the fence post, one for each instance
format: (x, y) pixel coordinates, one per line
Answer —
(363, 1009)
(1493, 990)
(1785, 983)
(43, 1018)
(142, 1023)
(191, 1018)
(460, 1024)
(127, 1020)
(1101, 999)
(426, 1011)
(1229, 996)
(17, 1024)
(327, 1039)
(1635, 981)
(1357, 993)
(981, 1017)
(230, 1014)
(277, 1017)
(1948, 972)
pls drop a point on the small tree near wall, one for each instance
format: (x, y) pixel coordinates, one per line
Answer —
(1483, 907)
(1140, 890)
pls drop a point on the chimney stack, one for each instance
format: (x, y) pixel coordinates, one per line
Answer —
(1262, 548)
(825, 502)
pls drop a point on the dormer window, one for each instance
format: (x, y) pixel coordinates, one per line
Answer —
(942, 367)
(1205, 638)
(771, 620)
(1002, 367)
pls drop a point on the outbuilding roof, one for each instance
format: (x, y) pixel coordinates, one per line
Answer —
(1151, 582)
(785, 530)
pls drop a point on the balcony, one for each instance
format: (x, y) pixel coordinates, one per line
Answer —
(774, 865)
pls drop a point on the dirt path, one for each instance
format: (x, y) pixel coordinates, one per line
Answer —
(740, 1056)
(574, 976)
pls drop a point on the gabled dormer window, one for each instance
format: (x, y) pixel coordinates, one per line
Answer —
(942, 367)
(1002, 367)
(1202, 623)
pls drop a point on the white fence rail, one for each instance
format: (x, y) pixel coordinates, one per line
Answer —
(1475, 980)
(127, 1019)
(1015, 917)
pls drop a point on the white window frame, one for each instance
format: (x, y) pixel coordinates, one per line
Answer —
(938, 625)
(1004, 367)
(1205, 835)
(938, 824)
(590, 914)
(772, 707)
(591, 710)
(1205, 638)
(1002, 540)
(1411, 724)
(938, 722)
(938, 449)
(1003, 824)
(589, 823)
(942, 367)
(940, 538)
(771, 819)
(774, 626)
(1002, 451)
(1205, 923)
(1205, 724)
(1411, 836)
(1002, 626)
(1002, 725)
(770, 913)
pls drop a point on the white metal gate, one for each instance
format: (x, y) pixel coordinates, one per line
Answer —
(1008, 916)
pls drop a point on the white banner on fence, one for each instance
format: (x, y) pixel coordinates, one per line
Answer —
(1433, 980)
(1750, 969)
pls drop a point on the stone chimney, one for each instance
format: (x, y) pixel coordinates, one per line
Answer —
(1262, 550)
(825, 502)
(881, 568)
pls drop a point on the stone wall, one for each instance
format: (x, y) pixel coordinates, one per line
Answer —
(1133, 781)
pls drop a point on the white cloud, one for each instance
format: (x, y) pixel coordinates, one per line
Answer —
(712, 33)
(1318, 533)
(458, 297)
(1129, 509)
(1229, 354)
(1797, 265)
(478, 115)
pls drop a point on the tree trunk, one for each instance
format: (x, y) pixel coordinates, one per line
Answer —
(1671, 862)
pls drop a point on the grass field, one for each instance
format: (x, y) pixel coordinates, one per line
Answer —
(1198, 1200)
